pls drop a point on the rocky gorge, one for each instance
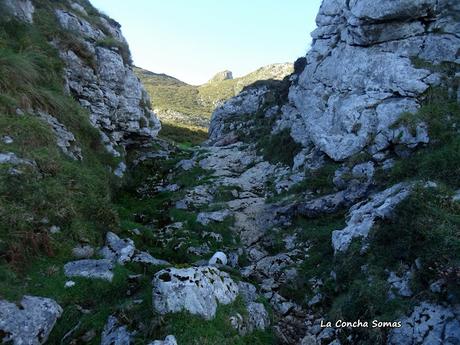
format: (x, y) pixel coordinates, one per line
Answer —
(330, 195)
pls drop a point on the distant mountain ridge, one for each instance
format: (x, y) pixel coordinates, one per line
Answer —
(183, 106)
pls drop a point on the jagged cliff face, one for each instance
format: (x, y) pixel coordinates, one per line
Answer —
(368, 64)
(98, 73)
(361, 73)
(106, 84)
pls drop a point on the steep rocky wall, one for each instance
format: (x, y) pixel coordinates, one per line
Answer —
(361, 73)
(106, 85)
(370, 62)
(98, 71)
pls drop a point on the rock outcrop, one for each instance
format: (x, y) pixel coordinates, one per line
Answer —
(362, 216)
(196, 290)
(104, 81)
(428, 324)
(361, 73)
(99, 74)
(224, 75)
(29, 322)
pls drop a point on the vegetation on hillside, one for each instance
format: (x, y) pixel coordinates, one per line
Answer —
(185, 110)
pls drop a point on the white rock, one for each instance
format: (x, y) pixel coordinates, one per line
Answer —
(401, 284)
(169, 340)
(115, 334)
(196, 290)
(69, 284)
(218, 258)
(205, 218)
(30, 322)
(258, 318)
(87, 268)
(54, 229)
(362, 216)
(7, 139)
(117, 249)
(428, 324)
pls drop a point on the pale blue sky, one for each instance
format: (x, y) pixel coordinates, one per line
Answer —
(194, 39)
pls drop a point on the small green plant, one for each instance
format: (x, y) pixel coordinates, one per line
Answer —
(279, 147)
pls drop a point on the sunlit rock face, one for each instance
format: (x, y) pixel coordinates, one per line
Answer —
(103, 81)
(364, 70)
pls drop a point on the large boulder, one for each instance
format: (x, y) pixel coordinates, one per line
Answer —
(197, 290)
(28, 322)
(88, 268)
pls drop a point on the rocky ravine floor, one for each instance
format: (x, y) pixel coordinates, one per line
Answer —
(229, 242)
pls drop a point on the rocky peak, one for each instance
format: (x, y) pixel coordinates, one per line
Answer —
(221, 76)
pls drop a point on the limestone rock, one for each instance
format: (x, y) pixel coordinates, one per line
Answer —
(428, 324)
(30, 322)
(401, 284)
(205, 218)
(120, 251)
(247, 291)
(196, 290)
(169, 340)
(65, 139)
(363, 215)
(186, 164)
(257, 316)
(21, 9)
(359, 76)
(221, 76)
(104, 82)
(219, 258)
(115, 334)
(246, 102)
(87, 268)
(13, 159)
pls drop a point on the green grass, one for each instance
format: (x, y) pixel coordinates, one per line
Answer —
(183, 134)
(190, 329)
(279, 147)
(194, 103)
(441, 159)
(72, 194)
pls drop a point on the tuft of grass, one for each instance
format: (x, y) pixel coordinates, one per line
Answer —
(121, 47)
(279, 147)
(441, 159)
(190, 329)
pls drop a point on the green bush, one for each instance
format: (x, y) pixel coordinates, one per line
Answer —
(279, 147)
